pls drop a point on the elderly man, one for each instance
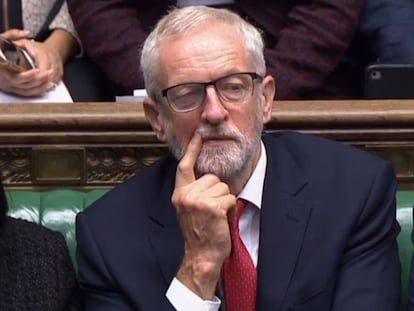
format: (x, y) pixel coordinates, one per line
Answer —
(234, 218)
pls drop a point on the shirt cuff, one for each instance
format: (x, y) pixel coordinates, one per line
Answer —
(184, 299)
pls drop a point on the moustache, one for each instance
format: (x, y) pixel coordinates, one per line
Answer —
(220, 131)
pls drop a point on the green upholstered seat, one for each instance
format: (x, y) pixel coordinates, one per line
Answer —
(405, 201)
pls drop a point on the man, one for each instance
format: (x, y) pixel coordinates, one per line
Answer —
(319, 228)
(306, 40)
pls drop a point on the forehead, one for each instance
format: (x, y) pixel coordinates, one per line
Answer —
(202, 54)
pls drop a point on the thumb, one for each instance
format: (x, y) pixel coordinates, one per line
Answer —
(15, 34)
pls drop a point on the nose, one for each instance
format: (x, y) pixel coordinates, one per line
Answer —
(214, 111)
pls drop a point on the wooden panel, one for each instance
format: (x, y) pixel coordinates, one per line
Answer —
(115, 141)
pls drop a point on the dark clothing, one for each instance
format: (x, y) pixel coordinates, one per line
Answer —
(36, 271)
(327, 236)
(387, 29)
(306, 41)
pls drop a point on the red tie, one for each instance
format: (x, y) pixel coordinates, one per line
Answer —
(239, 273)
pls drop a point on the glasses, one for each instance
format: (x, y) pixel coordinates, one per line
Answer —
(233, 88)
(15, 55)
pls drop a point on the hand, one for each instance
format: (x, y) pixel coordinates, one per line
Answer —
(47, 59)
(26, 83)
(15, 34)
(34, 82)
(202, 206)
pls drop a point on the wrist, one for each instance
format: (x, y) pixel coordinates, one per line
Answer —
(200, 275)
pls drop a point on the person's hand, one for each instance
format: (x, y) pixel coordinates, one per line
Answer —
(15, 34)
(34, 82)
(202, 206)
(47, 59)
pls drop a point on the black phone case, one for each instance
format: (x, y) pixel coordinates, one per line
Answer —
(389, 81)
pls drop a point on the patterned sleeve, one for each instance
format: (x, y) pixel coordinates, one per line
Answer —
(35, 12)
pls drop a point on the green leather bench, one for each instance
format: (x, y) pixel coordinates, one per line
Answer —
(57, 210)
(405, 201)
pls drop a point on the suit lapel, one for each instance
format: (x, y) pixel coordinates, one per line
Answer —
(284, 218)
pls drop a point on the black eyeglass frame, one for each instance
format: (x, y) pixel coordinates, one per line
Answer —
(164, 92)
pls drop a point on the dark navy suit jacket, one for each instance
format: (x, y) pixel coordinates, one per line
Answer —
(327, 239)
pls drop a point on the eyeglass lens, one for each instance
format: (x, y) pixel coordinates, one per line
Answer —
(233, 88)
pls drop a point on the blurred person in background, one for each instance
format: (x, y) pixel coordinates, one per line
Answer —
(305, 40)
(45, 30)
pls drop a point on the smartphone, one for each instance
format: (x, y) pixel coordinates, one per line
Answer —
(389, 81)
(18, 58)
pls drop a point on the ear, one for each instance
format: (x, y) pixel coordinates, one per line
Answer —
(268, 96)
(153, 115)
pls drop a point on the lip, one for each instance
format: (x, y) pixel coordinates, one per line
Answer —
(213, 140)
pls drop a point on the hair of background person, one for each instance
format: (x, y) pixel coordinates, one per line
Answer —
(178, 21)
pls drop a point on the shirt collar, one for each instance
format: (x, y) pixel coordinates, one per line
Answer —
(253, 190)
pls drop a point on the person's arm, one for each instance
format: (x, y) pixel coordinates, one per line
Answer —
(60, 45)
(111, 35)
(370, 273)
(311, 41)
(94, 279)
(63, 21)
(51, 55)
(63, 43)
(387, 27)
(203, 205)
(98, 289)
(33, 82)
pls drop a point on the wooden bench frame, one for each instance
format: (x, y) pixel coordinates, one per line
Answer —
(95, 145)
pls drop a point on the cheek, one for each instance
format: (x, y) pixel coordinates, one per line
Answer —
(247, 120)
(183, 128)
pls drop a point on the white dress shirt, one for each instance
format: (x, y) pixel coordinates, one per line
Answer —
(183, 298)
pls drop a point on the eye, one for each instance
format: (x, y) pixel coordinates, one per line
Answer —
(183, 91)
(185, 96)
(233, 87)
(233, 91)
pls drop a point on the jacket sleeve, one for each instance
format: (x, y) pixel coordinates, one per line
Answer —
(370, 271)
(111, 35)
(100, 291)
(310, 43)
(387, 28)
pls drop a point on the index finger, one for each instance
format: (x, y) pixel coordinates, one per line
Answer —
(185, 169)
